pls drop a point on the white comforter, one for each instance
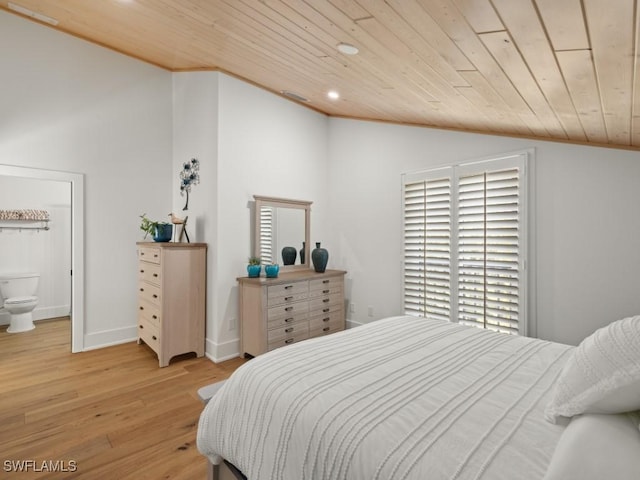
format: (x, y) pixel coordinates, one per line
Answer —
(400, 398)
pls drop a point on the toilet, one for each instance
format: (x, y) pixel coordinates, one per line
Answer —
(18, 291)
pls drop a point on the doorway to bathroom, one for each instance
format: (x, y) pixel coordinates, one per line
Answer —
(57, 250)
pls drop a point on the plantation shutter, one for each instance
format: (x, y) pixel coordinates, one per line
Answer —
(427, 247)
(465, 244)
(267, 240)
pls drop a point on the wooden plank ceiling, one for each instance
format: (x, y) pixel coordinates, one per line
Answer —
(556, 69)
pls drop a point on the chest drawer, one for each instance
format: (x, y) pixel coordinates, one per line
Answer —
(149, 292)
(287, 298)
(320, 303)
(149, 254)
(149, 333)
(149, 272)
(149, 312)
(288, 341)
(325, 291)
(327, 328)
(324, 283)
(287, 320)
(288, 331)
(284, 289)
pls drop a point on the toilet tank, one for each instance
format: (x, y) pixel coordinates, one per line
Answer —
(18, 284)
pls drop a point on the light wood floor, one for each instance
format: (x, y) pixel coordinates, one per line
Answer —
(112, 411)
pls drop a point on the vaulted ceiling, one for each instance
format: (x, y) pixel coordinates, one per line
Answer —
(555, 69)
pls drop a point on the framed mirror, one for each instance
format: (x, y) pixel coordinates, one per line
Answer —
(282, 232)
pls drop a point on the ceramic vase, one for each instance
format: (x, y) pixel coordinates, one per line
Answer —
(272, 270)
(164, 232)
(289, 255)
(302, 259)
(319, 257)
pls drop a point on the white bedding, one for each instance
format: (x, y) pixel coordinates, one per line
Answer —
(400, 398)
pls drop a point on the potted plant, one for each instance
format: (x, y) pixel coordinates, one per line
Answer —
(254, 267)
(272, 270)
(160, 231)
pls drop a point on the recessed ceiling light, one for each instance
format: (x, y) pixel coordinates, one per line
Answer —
(347, 49)
(333, 95)
(30, 13)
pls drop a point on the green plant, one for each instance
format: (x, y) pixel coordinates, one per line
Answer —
(149, 226)
(254, 260)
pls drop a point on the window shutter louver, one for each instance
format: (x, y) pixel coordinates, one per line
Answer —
(465, 244)
(427, 247)
(266, 235)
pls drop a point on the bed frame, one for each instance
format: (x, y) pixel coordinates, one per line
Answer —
(205, 394)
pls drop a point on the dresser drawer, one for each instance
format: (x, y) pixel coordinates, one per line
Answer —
(331, 327)
(149, 333)
(150, 312)
(149, 272)
(284, 311)
(320, 321)
(287, 298)
(149, 254)
(288, 331)
(149, 292)
(323, 283)
(326, 290)
(287, 320)
(287, 289)
(288, 341)
(320, 303)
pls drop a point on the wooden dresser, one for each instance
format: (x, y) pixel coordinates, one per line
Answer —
(296, 305)
(171, 298)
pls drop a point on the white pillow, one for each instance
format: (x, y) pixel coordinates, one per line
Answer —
(597, 447)
(602, 375)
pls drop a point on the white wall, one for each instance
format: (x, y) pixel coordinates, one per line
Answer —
(73, 106)
(267, 146)
(47, 252)
(585, 224)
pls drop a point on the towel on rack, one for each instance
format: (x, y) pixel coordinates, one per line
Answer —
(27, 214)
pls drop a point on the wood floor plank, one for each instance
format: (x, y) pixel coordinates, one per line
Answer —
(113, 411)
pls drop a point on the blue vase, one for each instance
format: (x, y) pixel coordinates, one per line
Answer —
(254, 270)
(164, 232)
(272, 270)
(289, 255)
(319, 257)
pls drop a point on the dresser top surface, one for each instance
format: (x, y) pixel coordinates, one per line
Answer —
(292, 276)
(171, 244)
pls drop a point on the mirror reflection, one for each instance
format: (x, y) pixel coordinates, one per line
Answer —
(281, 231)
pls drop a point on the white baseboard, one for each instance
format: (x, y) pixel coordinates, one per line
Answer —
(219, 352)
(40, 313)
(108, 338)
(353, 323)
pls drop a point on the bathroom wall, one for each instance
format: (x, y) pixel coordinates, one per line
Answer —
(46, 252)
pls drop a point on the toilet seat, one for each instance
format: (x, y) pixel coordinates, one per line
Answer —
(19, 300)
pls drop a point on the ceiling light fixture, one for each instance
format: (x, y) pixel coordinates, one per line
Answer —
(347, 49)
(32, 14)
(333, 95)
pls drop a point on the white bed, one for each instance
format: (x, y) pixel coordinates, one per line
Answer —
(400, 398)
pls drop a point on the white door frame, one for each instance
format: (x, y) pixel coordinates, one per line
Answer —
(77, 240)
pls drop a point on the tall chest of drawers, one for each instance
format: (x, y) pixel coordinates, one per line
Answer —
(171, 298)
(297, 305)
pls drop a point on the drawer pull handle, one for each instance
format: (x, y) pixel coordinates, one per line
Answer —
(326, 300)
(286, 299)
(154, 337)
(142, 289)
(287, 320)
(289, 340)
(288, 330)
(326, 319)
(325, 291)
(155, 275)
(141, 326)
(325, 281)
(141, 308)
(325, 310)
(155, 255)
(287, 287)
(288, 309)
(142, 254)
(141, 271)
(155, 317)
(326, 329)
(155, 296)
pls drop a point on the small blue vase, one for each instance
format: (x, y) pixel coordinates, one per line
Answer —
(164, 232)
(319, 257)
(289, 255)
(271, 270)
(254, 270)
